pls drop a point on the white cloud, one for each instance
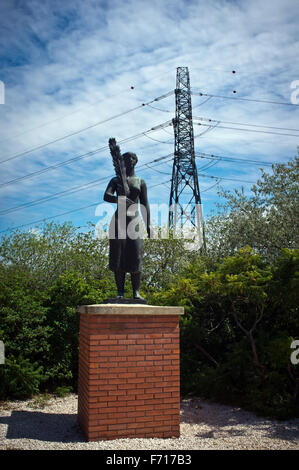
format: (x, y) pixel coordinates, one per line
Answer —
(78, 60)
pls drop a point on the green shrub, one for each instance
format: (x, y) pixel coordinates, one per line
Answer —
(63, 391)
(19, 378)
(241, 315)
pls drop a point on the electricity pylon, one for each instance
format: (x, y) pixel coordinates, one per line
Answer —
(185, 209)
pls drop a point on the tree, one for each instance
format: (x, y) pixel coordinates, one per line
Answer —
(163, 259)
(25, 333)
(54, 249)
(67, 292)
(267, 220)
(241, 316)
(244, 280)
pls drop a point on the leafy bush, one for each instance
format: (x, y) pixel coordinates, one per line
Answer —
(67, 292)
(241, 304)
(19, 378)
(236, 334)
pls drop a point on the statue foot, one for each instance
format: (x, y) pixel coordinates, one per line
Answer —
(136, 295)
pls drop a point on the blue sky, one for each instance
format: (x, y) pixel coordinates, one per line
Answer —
(69, 65)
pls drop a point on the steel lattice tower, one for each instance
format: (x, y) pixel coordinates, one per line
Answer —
(184, 203)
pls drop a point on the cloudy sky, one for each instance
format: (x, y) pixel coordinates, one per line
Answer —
(78, 72)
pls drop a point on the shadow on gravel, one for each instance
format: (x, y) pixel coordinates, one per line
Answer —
(287, 432)
(219, 422)
(43, 426)
(229, 421)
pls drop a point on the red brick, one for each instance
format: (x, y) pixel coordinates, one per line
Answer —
(126, 386)
(126, 341)
(136, 380)
(144, 419)
(129, 376)
(135, 414)
(136, 403)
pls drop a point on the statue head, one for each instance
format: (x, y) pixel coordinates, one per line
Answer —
(130, 156)
(130, 159)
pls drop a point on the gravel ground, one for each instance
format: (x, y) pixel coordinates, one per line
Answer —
(37, 425)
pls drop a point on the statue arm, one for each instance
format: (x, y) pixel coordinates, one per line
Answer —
(110, 190)
(114, 186)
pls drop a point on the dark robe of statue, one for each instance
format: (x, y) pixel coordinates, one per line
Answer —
(125, 235)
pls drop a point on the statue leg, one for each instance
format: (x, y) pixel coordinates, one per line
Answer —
(120, 278)
(135, 279)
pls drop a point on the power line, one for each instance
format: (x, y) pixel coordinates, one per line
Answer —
(213, 158)
(203, 102)
(79, 109)
(234, 159)
(53, 196)
(209, 128)
(242, 124)
(158, 184)
(245, 99)
(59, 139)
(210, 187)
(53, 167)
(60, 118)
(157, 171)
(210, 157)
(48, 218)
(93, 152)
(207, 166)
(250, 130)
(203, 168)
(224, 178)
(75, 189)
(96, 203)
(79, 157)
(159, 141)
(71, 190)
(63, 213)
(159, 109)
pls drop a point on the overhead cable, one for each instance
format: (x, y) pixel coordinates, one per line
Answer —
(73, 189)
(79, 157)
(247, 124)
(59, 139)
(244, 99)
(249, 130)
(63, 213)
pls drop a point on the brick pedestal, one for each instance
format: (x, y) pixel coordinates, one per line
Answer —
(129, 371)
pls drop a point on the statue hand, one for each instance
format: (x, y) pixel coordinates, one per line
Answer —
(125, 200)
(129, 202)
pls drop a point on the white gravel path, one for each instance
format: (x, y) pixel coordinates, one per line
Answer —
(204, 425)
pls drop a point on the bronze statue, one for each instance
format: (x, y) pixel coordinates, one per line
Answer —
(125, 236)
